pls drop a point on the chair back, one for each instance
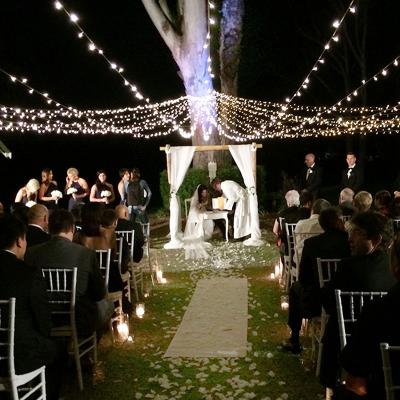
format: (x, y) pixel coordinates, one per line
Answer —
(7, 331)
(326, 269)
(349, 305)
(118, 253)
(290, 238)
(396, 224)
(61, 288)
(129, 236)
(104, 258)
(346, 218)
(391, 363)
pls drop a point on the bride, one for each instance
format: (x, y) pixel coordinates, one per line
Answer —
(197, 230)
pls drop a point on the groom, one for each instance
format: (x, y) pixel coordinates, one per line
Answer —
(237, 201)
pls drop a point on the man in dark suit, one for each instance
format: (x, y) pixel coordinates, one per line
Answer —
(38, 221)
(311, 178)
(124, 224)
(33, 346)
(353, 176)
(61, 252)
(304, 295)
(367, 270)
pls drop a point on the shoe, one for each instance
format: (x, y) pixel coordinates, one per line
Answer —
(294, 348)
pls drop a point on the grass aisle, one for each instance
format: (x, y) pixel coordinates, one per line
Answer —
(138, 370)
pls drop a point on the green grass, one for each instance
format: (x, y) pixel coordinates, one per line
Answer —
(138, 370)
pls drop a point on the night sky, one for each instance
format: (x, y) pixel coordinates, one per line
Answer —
(282, 39)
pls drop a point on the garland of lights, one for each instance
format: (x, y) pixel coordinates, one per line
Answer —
(320, 60)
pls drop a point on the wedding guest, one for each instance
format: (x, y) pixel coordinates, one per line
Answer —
(102, 191)
(139, 195)
(33, 346)
(28, 193)
(306, 202)
(288, 215)
(236, 199)
(362, 201)
(383, 203)
(361, 357)
(125, 176)
(61, 252)
(312, 175)
(366, 270)
(48, 192)
(38, 221)
(76, 187)
(304, 295)
(353, 176)
(124, 224)
(346, 197)
(306, 228)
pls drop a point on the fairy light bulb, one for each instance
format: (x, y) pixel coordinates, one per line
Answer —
(336, 23)
(73, 17)
(58, 5)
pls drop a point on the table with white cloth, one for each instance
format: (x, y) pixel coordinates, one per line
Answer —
(218, 214)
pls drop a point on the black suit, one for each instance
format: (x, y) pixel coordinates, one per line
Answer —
(304, 295)
(33, 346)
(36, 235)
(62, 253)
(361, 356)
(354, 180)
(367, 273)
(313, 181)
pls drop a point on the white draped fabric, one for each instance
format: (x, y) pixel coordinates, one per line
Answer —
(181, 157)
(242, 154)
(197, 230)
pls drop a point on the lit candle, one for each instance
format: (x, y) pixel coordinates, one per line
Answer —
(277, 270)
(159, 274)
(272, 276)
(284, 303)
(123, 330)
(140, 310)
(163, 280)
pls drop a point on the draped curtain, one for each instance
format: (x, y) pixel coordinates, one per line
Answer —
(242, 154)
(181, 157)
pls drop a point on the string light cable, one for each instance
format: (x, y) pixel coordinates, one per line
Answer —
(320, 60)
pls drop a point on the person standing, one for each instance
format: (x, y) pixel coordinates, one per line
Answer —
(353, 176)
(138, 195)
(48, 191)
(311, 178)
(236, 196)
(76, 187)
(102, 191)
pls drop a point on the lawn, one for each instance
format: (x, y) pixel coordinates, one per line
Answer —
(137, 370)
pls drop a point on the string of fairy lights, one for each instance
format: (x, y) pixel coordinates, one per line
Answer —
(337, 24)
(238, 119)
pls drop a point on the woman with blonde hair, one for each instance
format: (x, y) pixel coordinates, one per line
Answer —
(28, 193)
(76, 187)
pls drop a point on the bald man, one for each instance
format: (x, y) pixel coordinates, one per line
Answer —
(311, 177)
(38, 219)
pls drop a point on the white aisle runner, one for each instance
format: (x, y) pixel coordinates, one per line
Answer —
(215, 322)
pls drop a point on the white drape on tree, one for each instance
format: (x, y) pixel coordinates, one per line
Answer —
(242, 154)
(181, 157)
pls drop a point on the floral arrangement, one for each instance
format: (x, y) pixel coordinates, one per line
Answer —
(57, 194)
(71, 190)
(105, 193)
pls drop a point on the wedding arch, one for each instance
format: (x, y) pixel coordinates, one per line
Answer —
(179, 159)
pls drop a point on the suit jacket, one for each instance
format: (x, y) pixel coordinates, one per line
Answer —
(355, 180)
(361, 356)
(313, 183)
(330, 244)
(33, 347)
(59, 252)
(36, 235)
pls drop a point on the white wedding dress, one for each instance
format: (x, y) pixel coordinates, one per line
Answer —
(197, 230)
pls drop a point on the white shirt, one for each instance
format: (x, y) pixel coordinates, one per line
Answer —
(305, 229)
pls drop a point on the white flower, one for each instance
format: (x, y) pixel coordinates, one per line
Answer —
(105, 193)
(71, 190)
(56, 193)
(30, 203)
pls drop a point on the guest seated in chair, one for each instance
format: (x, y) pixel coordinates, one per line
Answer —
(38, 220)
(304, 295)
(367, 270)
(33, 347)
(61, 252)
(361, 357)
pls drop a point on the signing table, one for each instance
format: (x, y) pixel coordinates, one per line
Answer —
(218, 214)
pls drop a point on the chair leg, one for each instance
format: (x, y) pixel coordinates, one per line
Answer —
(95, 348)
(78, 364)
